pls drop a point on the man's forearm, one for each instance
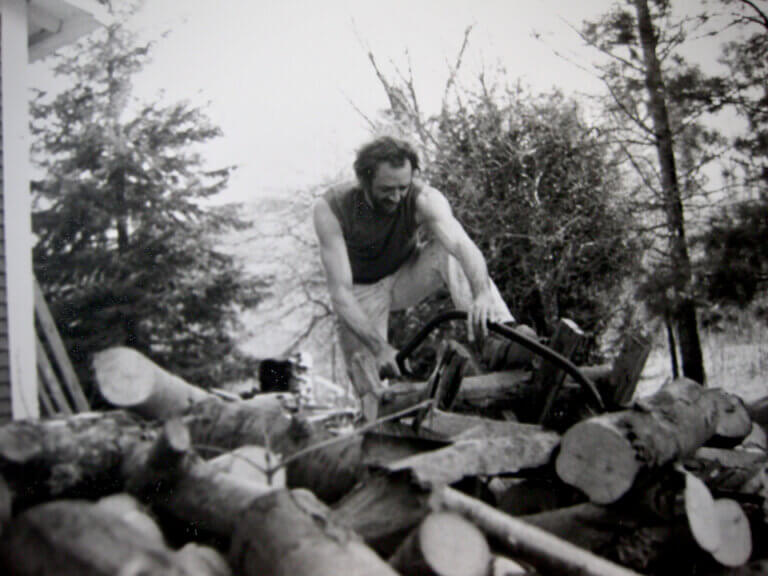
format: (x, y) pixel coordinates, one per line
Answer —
(350, 312)
(474, 266)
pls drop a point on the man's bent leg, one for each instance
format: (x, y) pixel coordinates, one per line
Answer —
(375, 300)
(434, 267)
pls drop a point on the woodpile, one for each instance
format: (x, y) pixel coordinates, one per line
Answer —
(477, 474)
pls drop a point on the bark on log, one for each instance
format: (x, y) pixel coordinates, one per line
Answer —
(216, 426)
(68, 537)
(383, 509)
(290, 532)
(602, 456)
(444, 544)
(531, 495)
(252, 464)
(170, 477)
(533, 545)
(75, 456)
(455, 426)
(329, 472)
(529, 448)
(639, 543)
(128, 379)
(733, 423)
(726, 470)
(131, 511)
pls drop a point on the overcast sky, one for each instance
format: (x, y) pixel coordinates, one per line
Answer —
(283, 77)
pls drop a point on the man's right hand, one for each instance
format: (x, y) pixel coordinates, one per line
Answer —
(386, 362)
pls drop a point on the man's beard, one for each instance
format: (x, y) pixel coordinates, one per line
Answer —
(384, 206)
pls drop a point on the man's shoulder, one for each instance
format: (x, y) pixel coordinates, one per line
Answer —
(340, 190)
(428, 194)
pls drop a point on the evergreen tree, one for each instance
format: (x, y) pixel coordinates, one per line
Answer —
(737, 262)
(126, 250)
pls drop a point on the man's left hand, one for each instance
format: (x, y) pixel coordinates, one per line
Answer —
(482, 312)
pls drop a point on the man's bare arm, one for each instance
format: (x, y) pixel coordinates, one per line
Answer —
(333, 252)
(435, 211)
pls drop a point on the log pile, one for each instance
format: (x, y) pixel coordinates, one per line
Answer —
(176, 480)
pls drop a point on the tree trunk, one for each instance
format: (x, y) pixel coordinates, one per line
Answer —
(383, 509)
(167, 475)
(219, 426)
(602, 456)
(68, 537)
(128, 379)
(687, 324)
(75, 457)
(290, 532)
(529, 448)
(546, 552)
(444, 544)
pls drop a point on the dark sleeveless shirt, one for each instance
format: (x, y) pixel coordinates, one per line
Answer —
(377, 244)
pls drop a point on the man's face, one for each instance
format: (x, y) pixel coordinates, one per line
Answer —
(389, 186)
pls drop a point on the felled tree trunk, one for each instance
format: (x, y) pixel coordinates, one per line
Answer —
(602, 456)
(76, 456)
(290, 532)
(217, 425)
(383, 509)
(131, 381)
(128, 379)
(171, 478)
(76, 537)
(444, 544)
(548, 553)
(328, 472)
(529, 448)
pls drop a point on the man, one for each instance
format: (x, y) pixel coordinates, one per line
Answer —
(367, 233)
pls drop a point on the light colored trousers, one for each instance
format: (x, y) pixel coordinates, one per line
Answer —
(430, 268)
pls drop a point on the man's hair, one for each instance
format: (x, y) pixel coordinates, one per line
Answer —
(381, 150)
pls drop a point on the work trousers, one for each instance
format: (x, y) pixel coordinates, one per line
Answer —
(429, 269)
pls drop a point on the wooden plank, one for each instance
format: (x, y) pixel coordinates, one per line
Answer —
(627, 368)
(61, 357)
(48, 380)
(46, 404)
(568, 339)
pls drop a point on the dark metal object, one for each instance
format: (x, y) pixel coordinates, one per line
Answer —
(542, 350)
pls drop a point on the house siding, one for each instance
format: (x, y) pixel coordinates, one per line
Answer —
(5, 371)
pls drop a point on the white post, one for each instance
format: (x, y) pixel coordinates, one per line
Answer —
(17, 209)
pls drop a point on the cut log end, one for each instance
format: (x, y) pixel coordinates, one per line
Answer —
(445, 544)
(598, 460)
(735, 534)
(702, 517)
(122, 377)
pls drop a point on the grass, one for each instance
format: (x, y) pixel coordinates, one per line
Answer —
(735, 359)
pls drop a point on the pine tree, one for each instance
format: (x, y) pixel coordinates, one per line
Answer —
(656, 103)
(125, 250)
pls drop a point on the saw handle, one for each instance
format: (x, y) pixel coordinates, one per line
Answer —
(510, 333)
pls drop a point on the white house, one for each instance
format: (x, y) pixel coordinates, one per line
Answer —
(29, 30)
